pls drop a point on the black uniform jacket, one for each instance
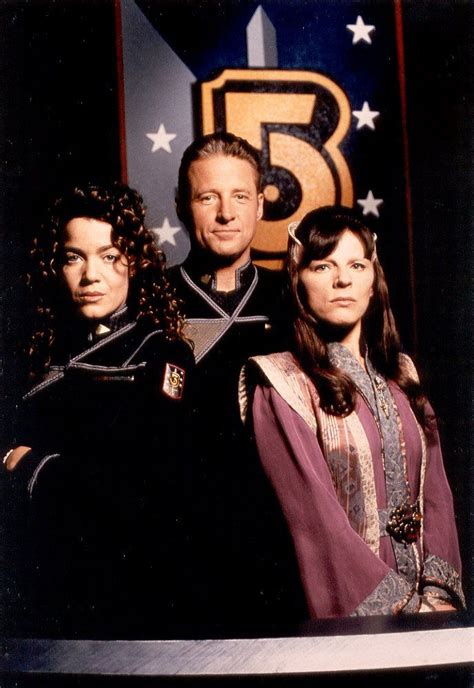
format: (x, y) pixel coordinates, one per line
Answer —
(97, 508)
(246, 567)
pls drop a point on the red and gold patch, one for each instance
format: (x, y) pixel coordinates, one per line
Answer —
(173, 381)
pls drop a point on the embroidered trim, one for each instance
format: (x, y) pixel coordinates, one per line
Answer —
(378, 396)
(282, 372)
(239, 272)
(344, 444)
(79, 357)
(212, 303)
(408, 560)
(421, 490)
(36, 472)
(202, 293)
(391, 596)
(252, 318)
(42, 385)
(409, 367)
(228, 319)
(338, 438)
(240, 319)
(245, 391)
(118, 313)
(383, 518)
(364, 464)
(204, 321)
(408, 364)
(106, 369)
(441, 574)
(432, 592)
(103, 342)
(149, 336)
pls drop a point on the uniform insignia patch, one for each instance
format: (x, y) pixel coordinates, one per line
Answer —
(173, 381)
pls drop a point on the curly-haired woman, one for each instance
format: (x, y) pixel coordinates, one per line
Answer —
(348, 439)
(97, 467)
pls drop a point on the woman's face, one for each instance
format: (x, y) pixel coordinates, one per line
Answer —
(339, 287)
(94, 271)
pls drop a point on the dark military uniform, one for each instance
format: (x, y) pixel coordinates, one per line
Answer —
(102, 496)
(244, 562)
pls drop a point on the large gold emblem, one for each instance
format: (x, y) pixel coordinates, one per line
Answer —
(297, 119)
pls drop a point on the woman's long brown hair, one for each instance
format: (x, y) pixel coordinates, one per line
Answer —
(316, 236)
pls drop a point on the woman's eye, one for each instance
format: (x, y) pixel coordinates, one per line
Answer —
(322, 267)
(71, 258)
(358, 266)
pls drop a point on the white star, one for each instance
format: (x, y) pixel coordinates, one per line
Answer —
(161, 139)
(360, 30)
(166, 232)
(365, 116)
(370, 204)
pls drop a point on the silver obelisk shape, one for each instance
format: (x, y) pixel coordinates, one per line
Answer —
(261, 41)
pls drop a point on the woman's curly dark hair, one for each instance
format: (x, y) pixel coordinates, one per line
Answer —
(150, 295)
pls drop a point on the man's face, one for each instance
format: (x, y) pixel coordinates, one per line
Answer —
(225, 206)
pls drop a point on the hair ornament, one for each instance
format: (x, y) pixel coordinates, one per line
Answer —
(295, 247)
(374, 253)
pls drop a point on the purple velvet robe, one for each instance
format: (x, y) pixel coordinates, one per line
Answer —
(340, 573)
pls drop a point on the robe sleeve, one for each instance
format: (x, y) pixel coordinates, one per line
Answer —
(340, 575)
(442, 564)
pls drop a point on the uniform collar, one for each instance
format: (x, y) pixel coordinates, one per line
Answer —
(206, 281)
(206, 277)
(112, 323)
(79, 334)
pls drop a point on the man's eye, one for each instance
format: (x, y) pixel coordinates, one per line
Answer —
(207, 199)
(241, 197)
(111, 258)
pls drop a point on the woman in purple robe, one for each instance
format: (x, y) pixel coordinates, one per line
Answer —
(348, 439)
